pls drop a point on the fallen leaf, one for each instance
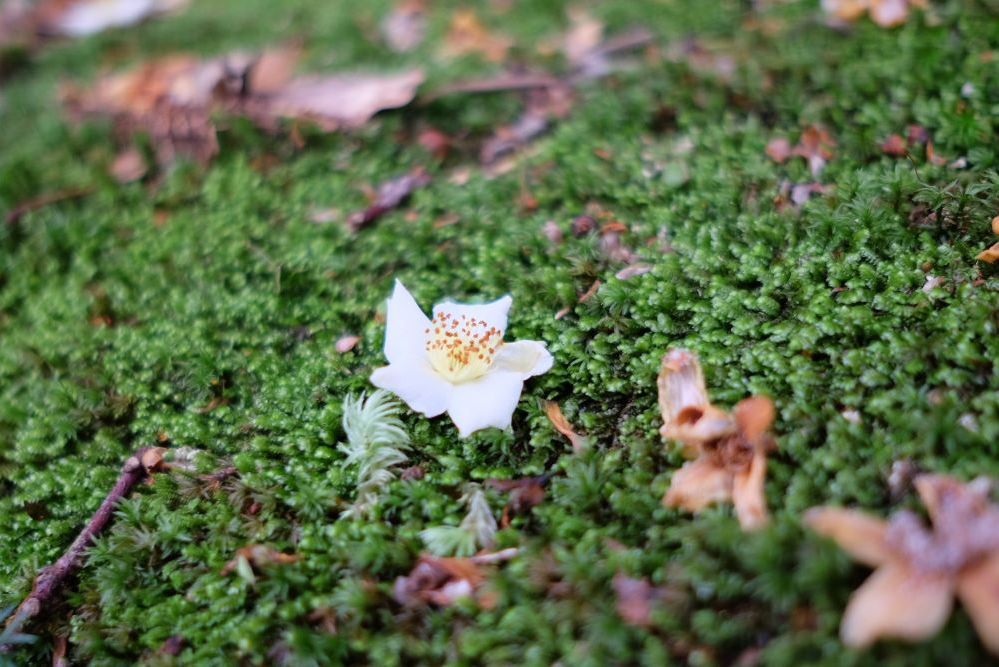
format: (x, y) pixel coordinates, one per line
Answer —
(995, 225)
(405, 26)
(440, 581)
(173, 98)
(345, 344)
(894, 145)
(552, 231)
(815, 145)
(562, 425)
(467, 35)
(583, 225)
(389, 195)
(524, 494)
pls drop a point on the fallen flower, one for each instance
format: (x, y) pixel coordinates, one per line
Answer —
(457, 362)
(919, 570)
(729, 449)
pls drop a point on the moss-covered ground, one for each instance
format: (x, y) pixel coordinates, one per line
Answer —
(224, 301)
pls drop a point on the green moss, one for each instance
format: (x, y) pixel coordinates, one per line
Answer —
(220, 287)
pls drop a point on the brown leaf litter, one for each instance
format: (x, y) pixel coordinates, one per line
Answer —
(554, 413)
(919, 570)
(174, 98)
(524, 493)
(259, 556)
(729, 449)
(389, 195)
(443, 581)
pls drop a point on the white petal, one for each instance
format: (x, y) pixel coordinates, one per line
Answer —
(486, 401)
(527, 357)
(415, 383)
(405, 328)
(494, 313)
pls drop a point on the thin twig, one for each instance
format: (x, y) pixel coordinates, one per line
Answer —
(35, 203)
(496, 556)
(49, 579)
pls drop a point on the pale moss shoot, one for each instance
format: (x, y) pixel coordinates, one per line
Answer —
(376, 440)
(476, 531)
(457, 361)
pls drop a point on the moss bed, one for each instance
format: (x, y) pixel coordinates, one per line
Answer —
(203, 312)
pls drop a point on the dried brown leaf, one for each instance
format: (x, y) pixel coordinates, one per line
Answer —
(747, 494)
(995, 225)
(467, 35)
(895, 146)
(860, 535)
(562, 425)
(978, 588)
(128, 166)
(389, 195)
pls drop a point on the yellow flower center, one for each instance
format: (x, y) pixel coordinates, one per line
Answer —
(461, 348)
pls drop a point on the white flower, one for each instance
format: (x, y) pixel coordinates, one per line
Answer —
(457, 362)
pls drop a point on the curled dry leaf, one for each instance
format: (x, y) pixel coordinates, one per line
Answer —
(562, 425)
(729, 449)
(918, 569)
(815, 145)
(389, 195)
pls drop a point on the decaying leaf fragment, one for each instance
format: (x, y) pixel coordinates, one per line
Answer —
(918, 569)
(442, 581)
(256, 556)
(729, 448)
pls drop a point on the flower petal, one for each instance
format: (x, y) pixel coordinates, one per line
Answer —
(415, 383)
(405, 328)
(698, 484)
(753, 416)
(681, 384)
(485, 401)
(747, 494)
(858, 534)
(527, 357)
(897, 603)
(978, 587)
(493, 313)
